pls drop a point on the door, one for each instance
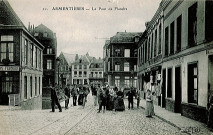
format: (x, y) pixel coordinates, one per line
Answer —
(164, 88)
(178, 90)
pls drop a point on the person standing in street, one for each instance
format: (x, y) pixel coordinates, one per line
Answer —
(54, 98)
(130, 95)
(94, 94)
(138, 98)
(74, 94)
(67, 93)
(102, 99)
(210, 112)
(149, 104)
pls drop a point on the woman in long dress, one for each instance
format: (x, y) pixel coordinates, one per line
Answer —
(119, 102)
(149, 104)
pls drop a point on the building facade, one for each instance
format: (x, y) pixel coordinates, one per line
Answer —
(21, 67)
(48, 39)
(65, 69)
(120, 59)
(96, 71)
(183, 77)
(80, 69)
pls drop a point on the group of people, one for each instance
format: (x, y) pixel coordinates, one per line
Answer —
(75, 91)
(112, 98)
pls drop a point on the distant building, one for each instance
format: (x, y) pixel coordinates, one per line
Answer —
(120, 59)
(96, 71)
(65, 68)
(21, 67)
(80, 69)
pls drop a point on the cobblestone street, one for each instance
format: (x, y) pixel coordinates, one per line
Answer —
(77, 120)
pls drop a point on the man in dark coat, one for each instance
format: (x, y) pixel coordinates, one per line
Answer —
(74, 93)
(130, 95)
(54, 98)
(67, 93)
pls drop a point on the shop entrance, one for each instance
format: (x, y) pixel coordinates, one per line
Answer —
(210, 76)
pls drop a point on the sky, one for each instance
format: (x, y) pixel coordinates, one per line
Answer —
(82, 31)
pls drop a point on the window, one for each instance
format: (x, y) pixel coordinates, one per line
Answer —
(166, 41)
(155, 44)
(80, 73)
(31, 86)
(35, 86)
(75, 73)
(193, 83)
(135, 52)
(179, 29)
(135, 68)
(80, 66)
(159, 42)
(6, 49)
(117, 53)
(26, 51)
(135, 82)
(31, 54)
(35, 57)
(126, 66)
(7, 84)
(208, 20)
(49, 64)
(85, 73)
(100, 74)
(151, 46)
(172, 33)
(126, 80)
(127, 53)
(169, 84)
(36, 34)
(117, 66)
(85, 81)
(45, 34)
(39, 85)
(49, 50)
(25, 87)
(117, 81)
(39, 59)
(192, 25)
(75, 66)
(85, 66)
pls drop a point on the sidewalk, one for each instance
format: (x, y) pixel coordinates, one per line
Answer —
(183, 123)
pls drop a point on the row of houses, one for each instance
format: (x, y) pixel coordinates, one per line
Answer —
(174, 57)
(78, 69)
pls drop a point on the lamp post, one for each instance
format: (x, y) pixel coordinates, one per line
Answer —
(58, 63)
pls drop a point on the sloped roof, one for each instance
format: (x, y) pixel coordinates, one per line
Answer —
(70, 58)
(8, 15)
(124, 37)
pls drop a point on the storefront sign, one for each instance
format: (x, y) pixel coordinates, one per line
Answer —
(9, 68)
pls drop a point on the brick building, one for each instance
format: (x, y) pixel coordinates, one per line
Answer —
(120, 59)
(20, 62)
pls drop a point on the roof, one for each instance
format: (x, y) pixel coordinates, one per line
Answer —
(124, 37)
(70, 58)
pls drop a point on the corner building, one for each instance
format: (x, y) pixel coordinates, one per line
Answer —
(186, 78)
(20, 62)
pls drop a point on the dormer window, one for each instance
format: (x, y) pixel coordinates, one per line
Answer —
(136, 39)
(36, 34)
(80, 60)
(49, 50)
(45, 34)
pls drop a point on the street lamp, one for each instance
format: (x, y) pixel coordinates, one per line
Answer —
(58, 63)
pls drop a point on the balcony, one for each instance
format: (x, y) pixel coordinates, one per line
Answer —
(92, 76)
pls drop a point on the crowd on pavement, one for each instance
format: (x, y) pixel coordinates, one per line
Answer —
(107, 98)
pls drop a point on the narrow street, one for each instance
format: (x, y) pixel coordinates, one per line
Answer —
(77, 120)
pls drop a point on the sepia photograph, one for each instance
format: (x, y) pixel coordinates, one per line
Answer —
(106, 67)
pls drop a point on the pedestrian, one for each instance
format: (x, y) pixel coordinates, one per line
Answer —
(102, 99)
(94, 94)
(210, 112)
(119, 102)
(81, 95)
(74, 94)
(54, 98)
(149, 104)
(130, 95)
(138, 98)
(67, 93)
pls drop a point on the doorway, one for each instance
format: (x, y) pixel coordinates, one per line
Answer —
(178, 90)
(164, 89)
